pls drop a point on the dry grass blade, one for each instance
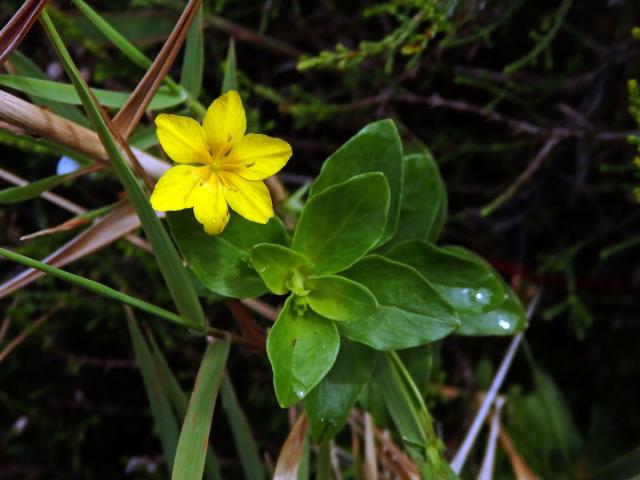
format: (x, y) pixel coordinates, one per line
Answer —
(251, 331)
(116, 224)
(291, 453)
(51, 197)
(370, 457)
(392, 457)
(41, 122)
(129, 116)
(15, 343)
(19, 25)
(520, 467)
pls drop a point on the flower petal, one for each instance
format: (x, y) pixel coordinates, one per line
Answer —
(258, 156)
(225, 123)
(250, 198)
(182, 138)
(174, 190)
(209, 205)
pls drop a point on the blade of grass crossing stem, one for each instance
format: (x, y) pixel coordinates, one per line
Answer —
(175, 275)
(93, 286)
(163, 417)
(193, 61)
(180, 402)
(245, 443)
(411, 418)
(230, 79)
(38, 187)
(26, 67)
(133, 53)
(194, 437)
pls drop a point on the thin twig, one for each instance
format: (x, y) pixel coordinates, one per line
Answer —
(463, 452)
(15, 343)
(518, 126)
(528, 172)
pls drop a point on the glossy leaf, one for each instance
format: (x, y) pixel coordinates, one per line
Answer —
(340, 299)
(65, 93)
(423, 209)
(465, 281)
(328, 405)
(302, 349)
(98, 288)
(223, 262)
(194, 436)
(340, 225)
(277, 264)
(410, 311)
(375, 148)
(507, 318)
(174, 274)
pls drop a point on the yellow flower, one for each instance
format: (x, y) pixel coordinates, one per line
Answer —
(219, 166)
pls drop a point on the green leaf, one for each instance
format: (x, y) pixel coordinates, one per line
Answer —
(328, 405)
(163, 417)
(507, 318)
(194, 437)
(180, 404)
(175, 275)
(277, 264)
(65, 93)
(223, 262)
(340, 225)
(301, 349)
(96, 287)
(465, 281)
(245, 444)
(423, 209)
(230, 80)
(341, 299)
(411, 417)
(375, 148)
(133, 53)
(33, 189)
(25, 67)
(193, 60)
(410, 311)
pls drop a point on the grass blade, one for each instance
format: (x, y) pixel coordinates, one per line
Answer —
(193, 61)
(194, 437)
(132, 52)
(95, 287)
(163, 417)
(129, 116)
(175, 275)
(180, 403)
(65, 93)
(230, 79)
(57, 130)
(37, 188)
(291, 454)
(112, 226)
(18, 26)
(245, 443)
(24, 66)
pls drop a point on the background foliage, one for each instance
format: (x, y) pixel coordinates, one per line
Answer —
(525, 106)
